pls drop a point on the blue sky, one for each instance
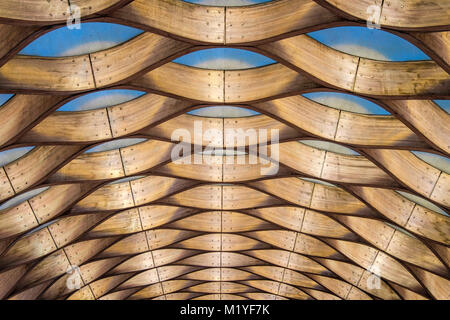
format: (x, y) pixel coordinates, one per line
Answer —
(101, 99)
(223, 111)
(346, 102)
(225, 57)
(4, 98)
(390, 46)
(95, 35)
(227, 2)
(444, 104)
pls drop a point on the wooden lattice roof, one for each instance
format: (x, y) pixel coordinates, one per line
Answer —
(318, 229)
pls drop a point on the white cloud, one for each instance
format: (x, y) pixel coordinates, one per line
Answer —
(329, 146)
(116, 144)
(226, 2)
(21, 198)
(111, 99)
(361, 51)
(342, 104)
(11, 155)
(88, 47)
(223, 112)
(224, 64)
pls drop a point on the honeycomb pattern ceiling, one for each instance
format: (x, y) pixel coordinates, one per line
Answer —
(89, 194)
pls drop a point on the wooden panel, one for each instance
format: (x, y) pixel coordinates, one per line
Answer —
(258, 122)
(118, 295)
(30, 294)
(82, 126)
(311, 246)
(163, 237)
(303, 158)
(321, 225)
(144, 278)
(428, 118)
(237, 197)
(314, 117)
(67, 229)
(388, 268)
(145, 155)
(278, 238)
(361, 254)
(167, 256)
(429, 224)
(415, 14)
(142, 261)
(371, 130)
(407, 294)
(263, 82)
(84, 293)
(437, 42)
(205, 222)
(322, 62)
(16, 220)
(47, 74)
(438, 286)
(109, 197)
(201, 23)
(442, 190)
(132, 244)
(124, 222)
(81, 251)
(251, 167)
(54, 265)
(192, 83)
(408, 15)
(238, 222)
(354, 169)
(13, 36)
(148, 292)
(338, 287)
(189, 123)
(6, 189)
(29, 248)
(93, 270)
(291, 189)
(387, 202)
(412, 250)
(139, 113)
(415, 173)
(210, 259)
(35, 10)
(208, 168)
(56, 199)
(412, 78)
(157, 215)
(19, 114)
(102, 286)
(123, 61)
(155, 187)
(356, 8)
(91, 166)
(320, 295)
(287, 217)
(9, 278)
(204, 197)
(232, 259)
(248, 24)
(334, 199)
(26, 171)
(52, 11)
(375, 231)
